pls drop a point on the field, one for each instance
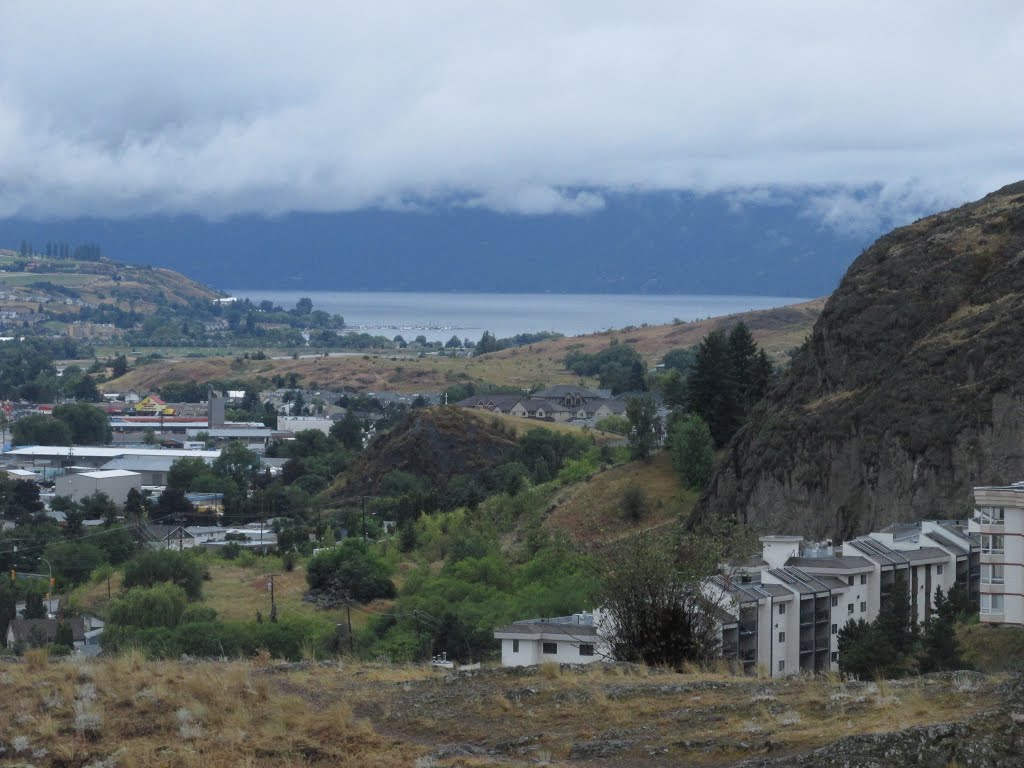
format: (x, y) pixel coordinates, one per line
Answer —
(537, 365)
(128, 712)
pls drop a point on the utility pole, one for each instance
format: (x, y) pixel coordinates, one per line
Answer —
(273, 604)
(363, 499)
(348, 614)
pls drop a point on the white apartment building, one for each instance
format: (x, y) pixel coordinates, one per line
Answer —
(786, 609)
(998, 523)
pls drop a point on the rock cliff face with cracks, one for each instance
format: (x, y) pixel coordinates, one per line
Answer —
(909, 391)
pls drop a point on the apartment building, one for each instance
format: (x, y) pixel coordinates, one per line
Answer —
(998, 523)
(786, 608)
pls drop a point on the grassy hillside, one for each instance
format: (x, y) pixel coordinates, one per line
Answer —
(594, 511)
(129, 712)
(94, 282)
(778, 330)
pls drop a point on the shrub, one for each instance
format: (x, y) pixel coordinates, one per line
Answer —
(634, 502)
(351, 568)
(162, 565)
(161, 605)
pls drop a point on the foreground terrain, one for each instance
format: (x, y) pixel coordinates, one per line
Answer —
(130, 712)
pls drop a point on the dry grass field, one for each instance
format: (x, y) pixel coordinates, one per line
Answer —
(778, 330)
(128, 712)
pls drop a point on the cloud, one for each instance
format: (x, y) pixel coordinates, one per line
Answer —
(119, 109)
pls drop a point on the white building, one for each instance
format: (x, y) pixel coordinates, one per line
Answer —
(565, 640)
(115, 483)
(302, 423)
(787, 608)
(998, 523)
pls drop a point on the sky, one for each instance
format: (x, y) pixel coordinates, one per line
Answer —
(879, 109)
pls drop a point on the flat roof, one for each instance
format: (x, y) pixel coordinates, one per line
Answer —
(105, 452)
(104, 474)
(841, 563)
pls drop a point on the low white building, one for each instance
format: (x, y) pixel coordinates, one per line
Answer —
(302, 423)
(572, 639)
(115, 483)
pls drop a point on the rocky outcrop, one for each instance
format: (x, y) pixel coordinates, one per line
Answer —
(909, 391)
(435, 444)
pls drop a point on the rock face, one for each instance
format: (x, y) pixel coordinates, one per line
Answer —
(435, 444)
(909, 391)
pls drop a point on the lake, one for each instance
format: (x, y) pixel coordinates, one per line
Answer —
(438, 316)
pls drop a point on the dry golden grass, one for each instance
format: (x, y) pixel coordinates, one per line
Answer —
(592, 511)
(777, 330)
(261, 714)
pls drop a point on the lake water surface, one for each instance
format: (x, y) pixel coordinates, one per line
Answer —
(438, 316)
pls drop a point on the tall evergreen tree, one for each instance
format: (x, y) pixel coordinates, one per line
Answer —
(713, 393)
(941, 650)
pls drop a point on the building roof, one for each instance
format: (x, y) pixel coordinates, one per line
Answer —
(26, 630)
(230, 432)
(799, 580)
(142, 463)
(561, 390)
(842, 563)
(543, 629)
(101, 452)
(948, 541)
(878, 552)
(926, 554)
(107, 474)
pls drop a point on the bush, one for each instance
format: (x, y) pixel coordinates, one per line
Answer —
(352, 569)
(161, 605)
(634, 502)
(162, 565)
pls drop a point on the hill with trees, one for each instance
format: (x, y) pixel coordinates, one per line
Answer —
(907, 393)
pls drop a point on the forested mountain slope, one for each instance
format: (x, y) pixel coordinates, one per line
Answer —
(908, 392)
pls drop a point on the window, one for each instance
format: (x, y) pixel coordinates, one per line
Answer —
(835, 600)
(835, 656)
(550, 648)
(515, 646)
(835, 628)
(863, 607)
(992, 544)
(992, 604)
(849, 580)
(586, 649)
(782, 608)
(863, 578)
(849, 608)
(938, 570)
(782, 666)
(992, 573)
(782, 637)
(992, 516)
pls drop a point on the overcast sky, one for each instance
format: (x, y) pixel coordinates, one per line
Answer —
(122, 108)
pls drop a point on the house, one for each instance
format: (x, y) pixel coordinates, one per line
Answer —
(998, 525)
(575, 639)
(39, 632)
(301, 423)
(168, 537)
(497, 403)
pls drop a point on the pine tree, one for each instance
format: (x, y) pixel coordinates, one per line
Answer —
(941, 650)
(713, 393)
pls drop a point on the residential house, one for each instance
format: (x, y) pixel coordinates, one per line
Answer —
(39, 632)
(575, 639)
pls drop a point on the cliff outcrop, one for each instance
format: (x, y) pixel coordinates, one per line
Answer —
(908, 392)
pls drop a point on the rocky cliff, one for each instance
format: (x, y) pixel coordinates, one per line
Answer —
(909, 391)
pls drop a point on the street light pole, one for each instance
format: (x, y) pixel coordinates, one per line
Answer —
(49, 583)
